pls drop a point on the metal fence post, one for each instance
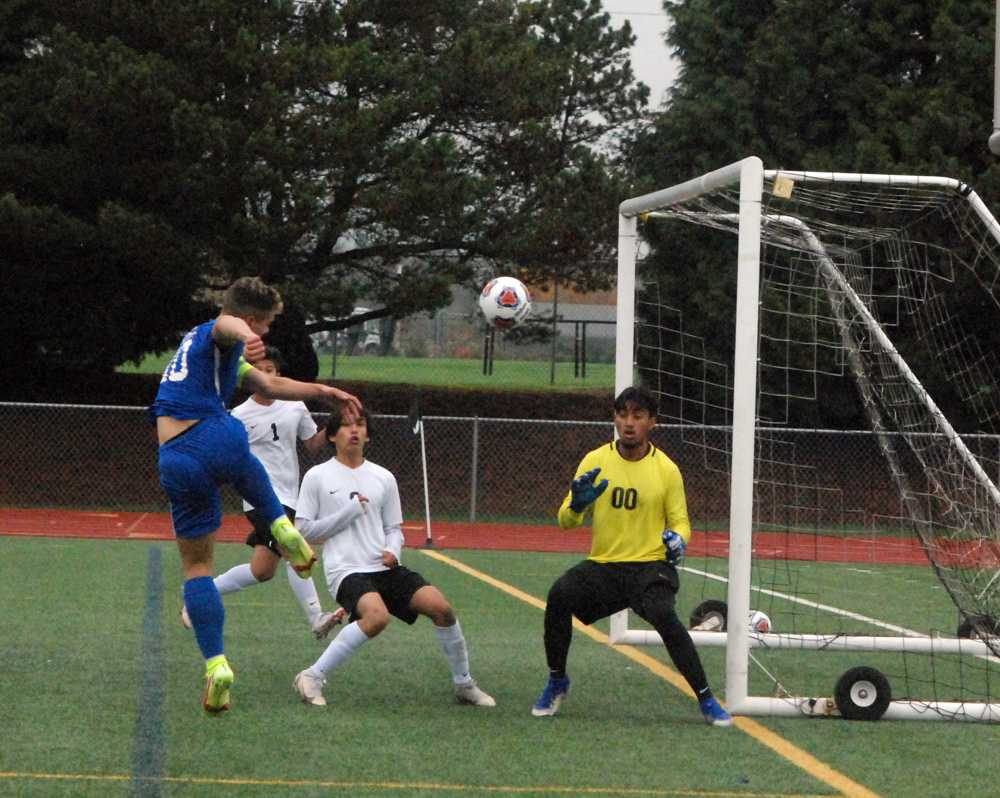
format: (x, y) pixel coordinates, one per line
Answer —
(474, 469)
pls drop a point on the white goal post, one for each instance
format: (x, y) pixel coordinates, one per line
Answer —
(856, 234)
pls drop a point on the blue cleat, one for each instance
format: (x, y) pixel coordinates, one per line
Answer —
(713, 712)
(550, 699)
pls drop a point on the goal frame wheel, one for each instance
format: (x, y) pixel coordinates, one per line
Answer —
(862, 693)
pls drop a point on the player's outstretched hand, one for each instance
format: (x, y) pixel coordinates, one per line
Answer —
(584, 491)
(675, 546)
(351, 403)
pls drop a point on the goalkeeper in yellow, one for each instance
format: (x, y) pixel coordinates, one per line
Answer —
(635, 494)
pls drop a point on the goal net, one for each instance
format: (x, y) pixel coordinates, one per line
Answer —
(873, 553)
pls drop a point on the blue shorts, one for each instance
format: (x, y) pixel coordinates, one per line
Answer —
(192, 466)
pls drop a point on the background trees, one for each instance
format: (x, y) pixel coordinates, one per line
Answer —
(152, 151)
(886, 86)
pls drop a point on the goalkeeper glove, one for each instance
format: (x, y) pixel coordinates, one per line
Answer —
(674, 545)
(584, 491)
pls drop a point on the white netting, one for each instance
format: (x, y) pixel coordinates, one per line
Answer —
(888, 284)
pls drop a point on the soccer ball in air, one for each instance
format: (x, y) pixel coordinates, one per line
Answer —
(759, 622)
(505, 302)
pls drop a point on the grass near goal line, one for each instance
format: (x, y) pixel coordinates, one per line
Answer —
(101, 697)
(508, 375)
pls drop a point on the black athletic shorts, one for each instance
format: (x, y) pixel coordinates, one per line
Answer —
(600, 589)
(261, 534)
(396, 587)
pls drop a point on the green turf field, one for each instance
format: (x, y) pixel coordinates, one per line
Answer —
(508, 375)
(101, 697)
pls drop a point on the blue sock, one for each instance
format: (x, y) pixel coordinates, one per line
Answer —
(204, 606)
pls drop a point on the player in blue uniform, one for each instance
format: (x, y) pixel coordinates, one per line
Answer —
(202, 446)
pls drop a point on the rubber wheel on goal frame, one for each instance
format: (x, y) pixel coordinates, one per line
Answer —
(862, 693)
(710, 610)
(978, 626)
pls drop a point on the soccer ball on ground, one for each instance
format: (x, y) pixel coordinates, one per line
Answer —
(505, 302)
(759, 622)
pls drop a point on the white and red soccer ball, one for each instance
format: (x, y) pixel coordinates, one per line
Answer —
(759, 622)
(505, 302)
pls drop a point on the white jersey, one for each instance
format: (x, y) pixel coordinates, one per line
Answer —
(273, 430)
(370, 527)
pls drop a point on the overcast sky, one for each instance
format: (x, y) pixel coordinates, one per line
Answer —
(650, 59)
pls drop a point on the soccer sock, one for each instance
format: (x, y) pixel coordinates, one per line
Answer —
(454, 647)
(343, 646)
(305, 593)
(204, 606)
(236, 578)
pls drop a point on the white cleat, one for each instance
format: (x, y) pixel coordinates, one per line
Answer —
(326, 621)
(185, 618)
(310, 688)
(469, 693)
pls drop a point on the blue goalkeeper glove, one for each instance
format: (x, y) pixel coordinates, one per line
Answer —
(675, 546)
(584, 491)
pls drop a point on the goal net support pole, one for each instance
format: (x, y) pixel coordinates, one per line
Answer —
(749, 172)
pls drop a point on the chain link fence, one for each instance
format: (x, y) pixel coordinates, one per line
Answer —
(103, 458)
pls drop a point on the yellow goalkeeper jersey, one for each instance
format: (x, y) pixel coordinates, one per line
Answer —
(643, 498)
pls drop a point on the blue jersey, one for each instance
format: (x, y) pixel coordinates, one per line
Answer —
(197, 383)
(200, 378)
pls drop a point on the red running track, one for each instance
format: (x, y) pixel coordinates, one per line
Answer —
(156, 526)
(513, 537)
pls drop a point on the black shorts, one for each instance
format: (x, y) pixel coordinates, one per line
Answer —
(396, 587)
(600, 589)
(261, 533)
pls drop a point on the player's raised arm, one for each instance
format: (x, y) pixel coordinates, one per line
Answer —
(317, 443)
(273, 386)
(584, 490)
(229, 330)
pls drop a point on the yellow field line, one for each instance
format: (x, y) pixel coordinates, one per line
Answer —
(801, 759)
(401, 785)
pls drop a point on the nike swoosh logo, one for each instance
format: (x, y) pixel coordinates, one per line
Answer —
(253, 426)
(334, 491)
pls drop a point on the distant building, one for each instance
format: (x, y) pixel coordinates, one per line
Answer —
(573, 306)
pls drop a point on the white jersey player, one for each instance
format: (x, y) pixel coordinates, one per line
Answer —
(351, 507)
(273, 428)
